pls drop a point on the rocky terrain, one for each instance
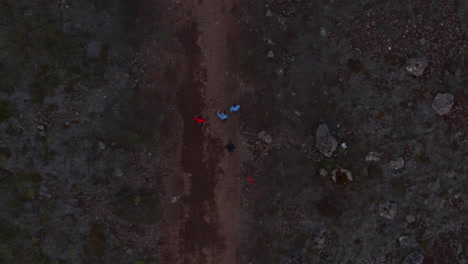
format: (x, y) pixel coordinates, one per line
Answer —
(351, 138)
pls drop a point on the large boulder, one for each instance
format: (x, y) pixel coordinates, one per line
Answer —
(325, 142)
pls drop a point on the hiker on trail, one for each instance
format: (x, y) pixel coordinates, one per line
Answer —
(230, 147)
(235, 107)
(222, 115)
(199, 119)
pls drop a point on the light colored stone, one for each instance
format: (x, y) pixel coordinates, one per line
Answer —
(325, 142)
(270, 54)
(397, 164)
(410, 218)
(40, 127)
(261, 134)
(388, 210)
(413, 258)
(416, 66)
(267, 138)
(323, 172)
(442, 103)
(323, 32)
(174, 199)
(118, 172)
(372, 156)
(101, 145)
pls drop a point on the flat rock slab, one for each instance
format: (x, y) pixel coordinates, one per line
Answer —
(416, 66)
(443, 103)
(325, 142)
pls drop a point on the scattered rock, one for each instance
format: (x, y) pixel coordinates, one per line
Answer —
(451, 174)
(325, 142)
(267, 138)
(101, 145)
(323, 172)
(341, 176)
(372, 156)
(416, 66)
(118, 172)
(343, 145)
(408, 241)
(174, 199)
(323, 32)
(40, 127)
(443, 103)
(410, 218)
(279, 71)
(388, 210)
(270, 54)
(261, 134)
(413, 258)
(397, 164)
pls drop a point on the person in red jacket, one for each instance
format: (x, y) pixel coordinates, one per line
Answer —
(199, 119)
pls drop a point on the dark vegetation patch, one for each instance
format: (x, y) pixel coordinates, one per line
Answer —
(136, 206)
(6, 110)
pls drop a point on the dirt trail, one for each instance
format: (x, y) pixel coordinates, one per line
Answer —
(204, 229)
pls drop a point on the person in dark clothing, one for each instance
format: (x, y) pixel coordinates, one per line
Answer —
(230, 147)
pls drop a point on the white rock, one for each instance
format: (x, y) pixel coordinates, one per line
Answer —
(343, 145)
(323, 172)
(40, 127)
(101, 145)
(443, 103)
(397, 164)
(325, 142)
(261, 134)
(323, 32)
(174, 199)
(388, 210)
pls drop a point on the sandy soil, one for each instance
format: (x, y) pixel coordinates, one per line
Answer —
(202, 227)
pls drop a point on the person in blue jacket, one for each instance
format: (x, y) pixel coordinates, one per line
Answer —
(235, 107)
(222, 115)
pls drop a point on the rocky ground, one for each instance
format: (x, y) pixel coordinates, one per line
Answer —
(352, 135)
(368, 163)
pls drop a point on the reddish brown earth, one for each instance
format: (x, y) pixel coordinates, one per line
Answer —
(202, 226)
